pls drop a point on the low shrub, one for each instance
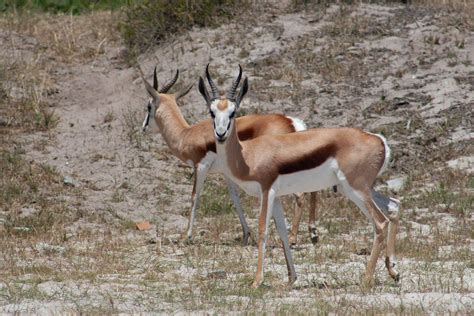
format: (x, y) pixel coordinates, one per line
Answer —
(146, 23)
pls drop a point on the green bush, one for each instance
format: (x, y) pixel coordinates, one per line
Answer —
(146, 23)
(61, 6)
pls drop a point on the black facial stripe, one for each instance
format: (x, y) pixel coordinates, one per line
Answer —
(232, 114)
(228, 125)
(147, 120)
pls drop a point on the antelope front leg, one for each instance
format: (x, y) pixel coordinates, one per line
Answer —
(200, 173)
(278, 215)
(266, 201)
(236, 199)
(295, 224)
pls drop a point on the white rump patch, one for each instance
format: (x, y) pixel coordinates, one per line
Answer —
(387, 152)
(298, 124)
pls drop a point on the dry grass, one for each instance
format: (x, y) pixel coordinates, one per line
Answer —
(70, 38)
(33, 43)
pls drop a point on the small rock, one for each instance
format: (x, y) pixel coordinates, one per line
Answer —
(396, 184)
(461, 134)
(3, 122)
(143, 225)
(445, 251)
(27, 212)
(22, 229)
(69, 181)
(48, 249)
(422, 210)
(462, 163)
(50, 288)
(420, 229)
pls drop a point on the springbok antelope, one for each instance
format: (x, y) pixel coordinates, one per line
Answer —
(195, 145)
(270, 166)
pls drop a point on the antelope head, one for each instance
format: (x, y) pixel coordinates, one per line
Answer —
(154, 99)
(223, 109)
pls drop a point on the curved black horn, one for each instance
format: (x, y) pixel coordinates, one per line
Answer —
(214, 90)
(170, 83)
(155, 80)
(231, 93)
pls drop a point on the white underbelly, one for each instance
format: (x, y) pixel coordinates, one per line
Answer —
(309, 180)
(250, 187)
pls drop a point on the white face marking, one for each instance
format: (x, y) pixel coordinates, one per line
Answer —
(149, 120)
(222, 119)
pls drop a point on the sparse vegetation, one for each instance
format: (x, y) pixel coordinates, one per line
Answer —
(132, 120)
(61, 6)
(215, 199)
(146, 23)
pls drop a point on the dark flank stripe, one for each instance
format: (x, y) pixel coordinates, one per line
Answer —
(245, 134)
(308, 161)
(211, 146)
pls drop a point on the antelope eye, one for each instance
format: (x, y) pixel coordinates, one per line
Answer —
(149, 107)
(212, 114)
(232, 114)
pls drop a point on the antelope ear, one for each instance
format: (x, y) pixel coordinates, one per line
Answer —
(183, 92)
(242, 92)
(203, 91)
(151, 91)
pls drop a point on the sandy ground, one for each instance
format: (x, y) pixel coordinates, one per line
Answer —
(294, 67)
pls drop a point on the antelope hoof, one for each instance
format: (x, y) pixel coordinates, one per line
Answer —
(291, 279)
(187, 240)
(256, 284)
(396, 278)
(314, 235)
(390, 265)
(367, 282)
(292, 241)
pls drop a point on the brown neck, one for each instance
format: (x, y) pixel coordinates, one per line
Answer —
(171, 122)
(232, 150)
